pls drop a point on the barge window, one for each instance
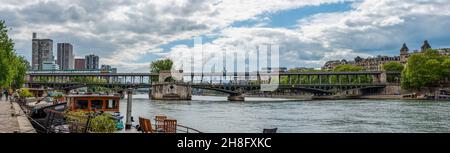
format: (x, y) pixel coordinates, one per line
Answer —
(96, 104)
(82, 104)
(111, 104)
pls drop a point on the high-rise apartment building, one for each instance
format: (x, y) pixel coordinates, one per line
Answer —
(92, 62)
(42, 51)
(65, 58)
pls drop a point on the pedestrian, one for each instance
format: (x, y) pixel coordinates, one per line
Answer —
(11, 93)
(1, 94)
(6, 94)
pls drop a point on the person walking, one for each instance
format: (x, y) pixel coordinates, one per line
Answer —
(6, 93)
(11, 93)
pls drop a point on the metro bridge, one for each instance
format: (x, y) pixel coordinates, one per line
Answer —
(233, 83)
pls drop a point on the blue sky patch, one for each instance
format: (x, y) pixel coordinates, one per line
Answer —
(289, 18)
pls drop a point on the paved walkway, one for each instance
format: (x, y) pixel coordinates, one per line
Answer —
(8, 123)
(12, 119)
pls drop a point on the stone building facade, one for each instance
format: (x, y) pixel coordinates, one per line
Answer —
(376, 63)
(330, 65)
(369, 64)
(444, 51)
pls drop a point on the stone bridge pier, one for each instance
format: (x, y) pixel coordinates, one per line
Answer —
(171, 91)
(169, 87)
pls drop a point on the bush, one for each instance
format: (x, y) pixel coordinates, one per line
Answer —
(103, 123)
(25, 93)
(58, 95)
(393, 66)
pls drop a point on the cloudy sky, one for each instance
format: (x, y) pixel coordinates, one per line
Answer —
(130, 34)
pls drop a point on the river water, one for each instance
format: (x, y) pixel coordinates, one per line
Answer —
(216, 115)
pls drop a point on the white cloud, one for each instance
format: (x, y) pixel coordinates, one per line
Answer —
(131, 27)
(122, 32)
(381, 25)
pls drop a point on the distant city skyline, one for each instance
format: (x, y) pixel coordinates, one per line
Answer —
(128, 35)
(43, 57)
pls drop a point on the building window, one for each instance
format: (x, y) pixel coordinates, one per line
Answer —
(111, 104)
(96, 104)
(82, 104)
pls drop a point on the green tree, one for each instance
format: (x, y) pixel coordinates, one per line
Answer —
(446, 67)
(161, 65)
(301, 79)
(346, 79)
(347, 68)
(393, 66)
(12, 67)
(332, 79)
(6, 52)
(22, 65)
(425, 69)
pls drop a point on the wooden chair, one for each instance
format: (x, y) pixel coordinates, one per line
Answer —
(146, 125)
(159, 122)
(170, 126)
(274, 130)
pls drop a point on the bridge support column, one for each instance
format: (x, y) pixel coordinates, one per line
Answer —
(150, 92)
(171, 91)
(129, 106)
(381, 78)
(236, 97)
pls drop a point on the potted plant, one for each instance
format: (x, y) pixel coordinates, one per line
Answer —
(24, 94)
(58, 97)
(98, 123)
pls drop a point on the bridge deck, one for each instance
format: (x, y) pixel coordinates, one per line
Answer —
(216, 74)
(122, 80)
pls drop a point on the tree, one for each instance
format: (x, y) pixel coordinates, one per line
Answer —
(12, 67)
(6, 51)
(332, 79)
(346, 79)
(161, 65)
(302, 79)
(446, 67)
(425, 69)
(347, 68)
(393, 66)
(22, 66)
